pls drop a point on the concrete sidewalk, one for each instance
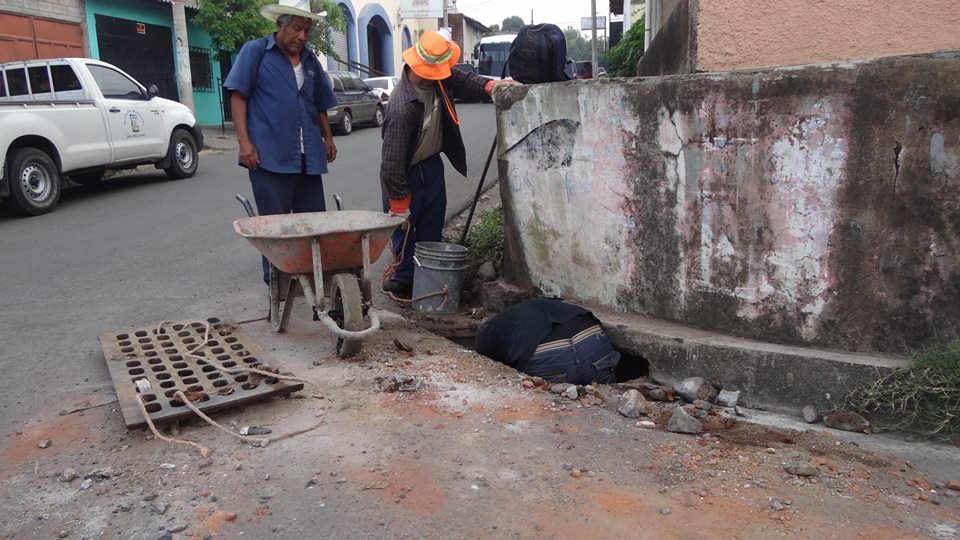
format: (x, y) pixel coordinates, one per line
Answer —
(221, 138)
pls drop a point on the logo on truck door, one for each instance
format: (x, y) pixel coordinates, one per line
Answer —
(135, 121)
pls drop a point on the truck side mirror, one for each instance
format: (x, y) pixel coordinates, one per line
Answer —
(152, 91)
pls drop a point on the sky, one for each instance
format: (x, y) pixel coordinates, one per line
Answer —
(562, 13)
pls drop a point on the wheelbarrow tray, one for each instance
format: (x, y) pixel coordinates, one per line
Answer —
(285, 239)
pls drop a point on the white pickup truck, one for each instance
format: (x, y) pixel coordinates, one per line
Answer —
(79, 117)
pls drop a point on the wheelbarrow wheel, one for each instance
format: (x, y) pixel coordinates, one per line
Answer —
(346, 299)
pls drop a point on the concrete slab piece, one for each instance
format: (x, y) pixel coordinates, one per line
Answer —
(159, 355)
(768, 374)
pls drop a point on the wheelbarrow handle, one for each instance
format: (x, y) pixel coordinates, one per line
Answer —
(246, 205)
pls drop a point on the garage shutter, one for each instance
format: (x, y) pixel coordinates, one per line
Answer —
(341, 48)
(29, 38)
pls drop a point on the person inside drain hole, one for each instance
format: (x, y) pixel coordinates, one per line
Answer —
(550, 339)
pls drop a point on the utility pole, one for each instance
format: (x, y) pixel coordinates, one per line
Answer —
(531, 16)
(446, 21)
(593, 41)
(184, 79)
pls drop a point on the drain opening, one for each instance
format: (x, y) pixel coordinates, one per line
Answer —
(630, 367)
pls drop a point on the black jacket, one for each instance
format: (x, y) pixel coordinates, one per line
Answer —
(401, 129)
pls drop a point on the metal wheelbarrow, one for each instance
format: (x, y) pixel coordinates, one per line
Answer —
(320, 254)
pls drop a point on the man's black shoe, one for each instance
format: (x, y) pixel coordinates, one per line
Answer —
(398, 289)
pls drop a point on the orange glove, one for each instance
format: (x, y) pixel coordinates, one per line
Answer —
(400, 206)
(491, 86)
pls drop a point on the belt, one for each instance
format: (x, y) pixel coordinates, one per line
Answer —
(562, 343)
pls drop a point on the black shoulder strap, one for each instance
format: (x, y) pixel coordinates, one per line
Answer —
(260, 51)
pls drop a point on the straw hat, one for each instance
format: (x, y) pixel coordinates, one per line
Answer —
(433, 56)
(298, 8)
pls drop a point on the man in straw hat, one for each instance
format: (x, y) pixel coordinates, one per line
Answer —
(279, 100)
(421, 123)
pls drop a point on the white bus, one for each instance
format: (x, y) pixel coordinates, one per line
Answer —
(491, 55)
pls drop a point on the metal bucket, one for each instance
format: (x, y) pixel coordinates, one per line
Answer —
(438, 265)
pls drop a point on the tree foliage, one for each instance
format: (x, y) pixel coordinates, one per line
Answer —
(512, 23)
(231, 23)
(578, 48)
(494, 28)
(624, 57)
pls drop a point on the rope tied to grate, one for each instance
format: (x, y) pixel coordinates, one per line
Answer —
(144, 386)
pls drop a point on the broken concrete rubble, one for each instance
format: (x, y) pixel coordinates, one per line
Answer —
(810, 414)
(499, 295)
(681, 422)
(846, 421)
(800, 467)
(632, 404)
(728, 398)
(694, 388)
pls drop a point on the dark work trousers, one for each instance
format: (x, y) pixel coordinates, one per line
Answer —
(584, 362)
(277, 193)
(428, 206)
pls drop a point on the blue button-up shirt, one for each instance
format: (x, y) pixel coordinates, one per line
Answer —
(277, 110)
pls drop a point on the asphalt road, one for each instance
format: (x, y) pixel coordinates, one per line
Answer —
(139, 249)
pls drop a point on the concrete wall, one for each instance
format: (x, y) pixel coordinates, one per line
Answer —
(673, 50)
(734, 34)
(794, 205)
(64, 10)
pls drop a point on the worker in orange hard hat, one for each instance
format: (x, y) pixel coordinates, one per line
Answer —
(421, 124)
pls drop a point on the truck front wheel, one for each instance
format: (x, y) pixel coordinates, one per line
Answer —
(34, 181)
(183, 155)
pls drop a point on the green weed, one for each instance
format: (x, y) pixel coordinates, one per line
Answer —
(925, 396)
(485, 239)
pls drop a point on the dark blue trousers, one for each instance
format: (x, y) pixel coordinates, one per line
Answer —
(277, 193)
(590, 360)
(428, 206)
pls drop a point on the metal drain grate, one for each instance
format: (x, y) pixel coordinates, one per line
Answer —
(160, 357)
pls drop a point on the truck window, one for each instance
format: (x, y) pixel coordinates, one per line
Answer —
(39, 80)
(17, 81)
(114, 84)
(3, 85)
(64, 79)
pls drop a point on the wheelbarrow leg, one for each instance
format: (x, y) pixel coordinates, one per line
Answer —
(293, 289)
(275, 318)
(365, 287)
(317, 276)
(280, 310)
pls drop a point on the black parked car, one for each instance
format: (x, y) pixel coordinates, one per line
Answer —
(358, 102)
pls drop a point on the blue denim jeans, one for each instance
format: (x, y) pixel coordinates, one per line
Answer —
(590, 360)
(428, 206)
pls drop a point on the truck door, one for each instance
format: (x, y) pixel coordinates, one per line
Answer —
(135, 120)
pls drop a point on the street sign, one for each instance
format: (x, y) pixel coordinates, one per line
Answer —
(141, 28)
(586, 25)
(421, 9)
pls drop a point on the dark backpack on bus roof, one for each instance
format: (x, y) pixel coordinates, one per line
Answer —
(538, 54)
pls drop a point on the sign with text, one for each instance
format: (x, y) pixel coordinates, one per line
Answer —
(421, 9)
(585, 23)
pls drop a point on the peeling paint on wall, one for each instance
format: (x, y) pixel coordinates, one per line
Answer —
(791, 205)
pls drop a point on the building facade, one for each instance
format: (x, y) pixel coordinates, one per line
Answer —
(31, 29)
(725, 35)
(138, 36)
